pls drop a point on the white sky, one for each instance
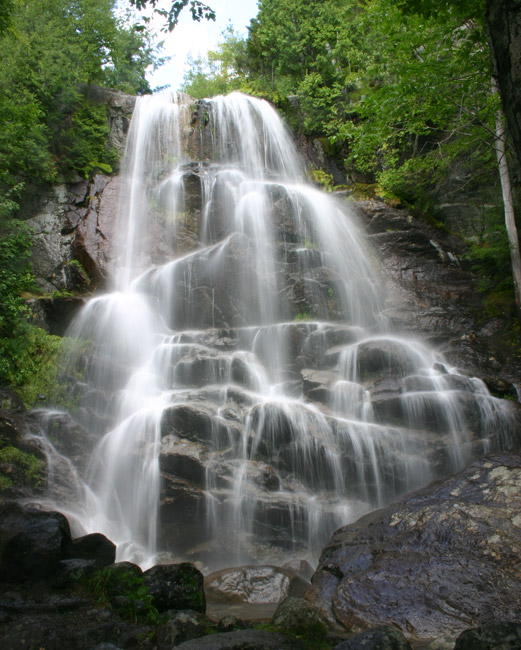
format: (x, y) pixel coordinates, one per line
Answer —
(196, 38)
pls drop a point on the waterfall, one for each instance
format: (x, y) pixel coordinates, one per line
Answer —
(243, 391)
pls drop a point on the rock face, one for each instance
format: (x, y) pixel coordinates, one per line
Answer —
(433, 293)
(74, 235)
(441, 560)
(73, 226)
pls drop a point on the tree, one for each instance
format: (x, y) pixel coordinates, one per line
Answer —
(198, 10)
(50, 132)
(220, 72)
(503, 20)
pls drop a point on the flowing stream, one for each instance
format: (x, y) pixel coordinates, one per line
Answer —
(242, 391)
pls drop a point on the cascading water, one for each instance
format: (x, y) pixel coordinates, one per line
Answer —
(240, 385)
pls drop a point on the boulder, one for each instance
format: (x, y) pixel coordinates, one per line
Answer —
(230, 623)
(385, 637)
(298, 617)
(243, 640)
(433, 563)
(176, 586)
(181, 626)
(301, 567)
(32, 542)
(491, 636)
(253, 584)
(95, 547)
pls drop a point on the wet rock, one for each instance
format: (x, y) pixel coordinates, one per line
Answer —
(95, 547)
(243, 640)
(67, 436)
(491, 636)
(181, 626)
(56, 314)
(253, 584)
(230, 623)
(384, 357)
(183, 458)
(176, 586)
(197, 423)
(72, 572)
(32, 542)
(385, 637)
(318, 384)
(432, 563)
(297, 616)
(301, 567)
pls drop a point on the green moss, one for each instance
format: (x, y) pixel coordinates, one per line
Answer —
(322, 177)
(314, 637)
(303, 316)
(136, 603)
(29, 464)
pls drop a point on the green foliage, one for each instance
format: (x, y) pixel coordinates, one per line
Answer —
(219, 73)
(303, 316)
(135, 603)
(29, 464)
(313, 637)
(48, 130)
(322, 177)
(29, 361)
(15, 275)
(171, 16)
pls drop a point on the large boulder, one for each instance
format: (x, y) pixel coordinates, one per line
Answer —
(385, 637)
(434, 563)
(32, 542)
(298, 617)
(243, 640)
(254, 584)
(491, 636)
(176, 586)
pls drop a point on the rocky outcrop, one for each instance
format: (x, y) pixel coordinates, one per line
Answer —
(431, 292)
(73, 227)
(74, 235)
(436, 562)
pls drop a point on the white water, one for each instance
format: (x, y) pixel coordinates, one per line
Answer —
(243, 337)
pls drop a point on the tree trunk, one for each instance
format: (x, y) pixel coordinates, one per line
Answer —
(503, 20)
(506, 189)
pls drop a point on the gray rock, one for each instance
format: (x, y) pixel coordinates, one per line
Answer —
(181, 626)
(253, 584)
(297, 616)
(491, 636)
(32, 542)
(176, 586)
(94, 547)
(230, 623)
(434, 562)
(301, 567)
(385, 637)
(243, 640)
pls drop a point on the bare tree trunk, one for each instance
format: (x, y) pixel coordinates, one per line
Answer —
(506, 189)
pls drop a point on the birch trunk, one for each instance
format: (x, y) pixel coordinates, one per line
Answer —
(506, 189)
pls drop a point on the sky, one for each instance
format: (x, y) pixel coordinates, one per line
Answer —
(196, 38)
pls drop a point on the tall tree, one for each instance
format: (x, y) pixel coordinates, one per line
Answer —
(503, 18)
